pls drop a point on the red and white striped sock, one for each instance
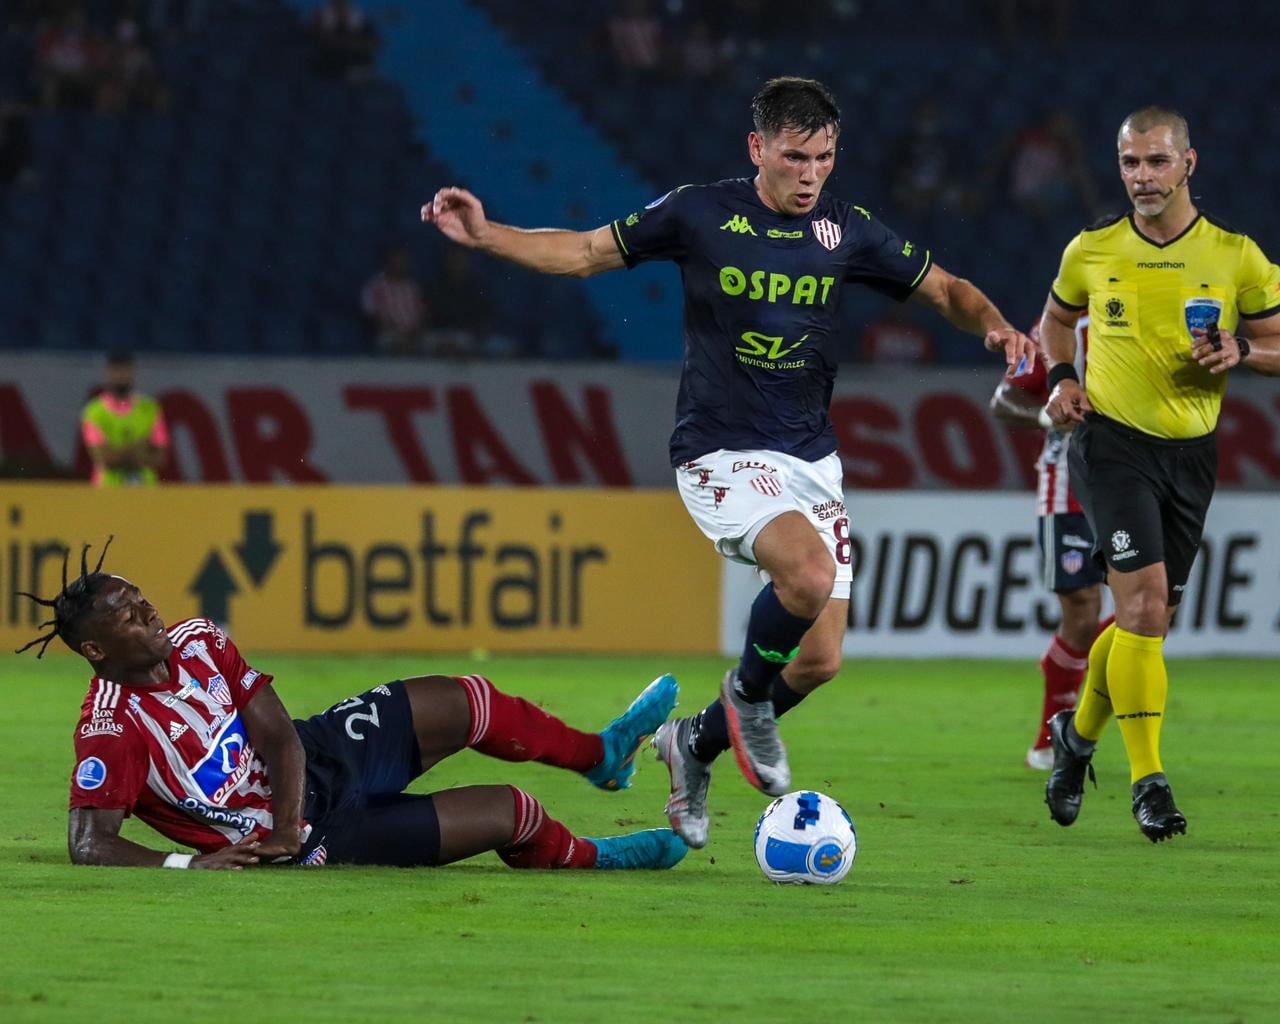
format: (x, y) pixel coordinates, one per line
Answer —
(512, 729)
(539, 841)
(1063, 668)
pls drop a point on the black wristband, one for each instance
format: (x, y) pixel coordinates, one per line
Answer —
(1243, 345)
(1060, 372)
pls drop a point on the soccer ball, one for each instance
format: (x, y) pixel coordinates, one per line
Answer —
(805, 839)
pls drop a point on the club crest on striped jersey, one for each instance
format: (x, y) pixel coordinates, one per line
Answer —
(219, 690)
(827, 232)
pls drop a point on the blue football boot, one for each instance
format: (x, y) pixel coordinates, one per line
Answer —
(655, 849)
(625, 734)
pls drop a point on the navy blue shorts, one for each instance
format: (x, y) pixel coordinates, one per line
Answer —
(361, 754)
(1066, 552)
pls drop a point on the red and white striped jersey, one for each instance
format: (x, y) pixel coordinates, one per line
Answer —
(1053, 484)
(177, 755)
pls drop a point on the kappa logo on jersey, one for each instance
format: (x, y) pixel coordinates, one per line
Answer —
(195, 648)
(739, 225)
(135, 703)
(827, 232)
(249, 678)
(91, 773)
(176, 729)
(219, 690)
(769, 486)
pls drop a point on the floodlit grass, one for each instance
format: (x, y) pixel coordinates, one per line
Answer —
(966, 903)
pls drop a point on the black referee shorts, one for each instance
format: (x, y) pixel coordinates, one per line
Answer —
(1145, 497)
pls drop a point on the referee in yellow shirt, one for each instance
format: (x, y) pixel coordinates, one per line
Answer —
(1165, 286)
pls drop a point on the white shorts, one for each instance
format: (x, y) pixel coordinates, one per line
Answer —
(733, 495)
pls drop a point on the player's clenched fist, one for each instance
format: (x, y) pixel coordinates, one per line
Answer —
(458, 214)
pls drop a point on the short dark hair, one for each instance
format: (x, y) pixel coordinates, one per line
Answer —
(1146, 118)
(800, 104)
(71, 608)
(119, 357)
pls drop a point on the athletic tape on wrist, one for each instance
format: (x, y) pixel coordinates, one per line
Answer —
(178, 860)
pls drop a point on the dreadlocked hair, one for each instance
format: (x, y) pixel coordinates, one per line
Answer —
(71, 605)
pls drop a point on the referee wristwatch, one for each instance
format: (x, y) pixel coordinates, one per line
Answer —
(1243, 345)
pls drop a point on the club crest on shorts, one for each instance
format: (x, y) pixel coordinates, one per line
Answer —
(1072, 562)
(767, 485)
(827, 232)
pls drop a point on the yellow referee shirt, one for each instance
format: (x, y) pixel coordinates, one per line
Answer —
(1143, 299)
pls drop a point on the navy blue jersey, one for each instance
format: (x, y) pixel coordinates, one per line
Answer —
(761, 292)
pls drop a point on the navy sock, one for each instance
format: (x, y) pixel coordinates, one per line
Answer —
(773, 638)
(709, 737)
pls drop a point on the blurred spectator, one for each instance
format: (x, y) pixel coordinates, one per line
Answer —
(701, 54)
(69, 63)
(636, 38)
(921, 176)
(15, 145)
(895, 337)
(131, 81)
(1045, 169)
(344, 41)
(462, 314)
(123, 430)
(395, 307)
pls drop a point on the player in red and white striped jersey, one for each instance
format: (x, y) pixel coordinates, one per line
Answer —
(1066, 540)
(178, 730)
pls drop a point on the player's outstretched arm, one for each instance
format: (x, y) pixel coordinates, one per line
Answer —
(93, 837)
(1067, 401)
(461, 218)
(1263, 346)
(964, 306)
(273, 737)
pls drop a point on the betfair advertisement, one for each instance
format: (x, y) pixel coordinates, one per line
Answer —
(379, 569)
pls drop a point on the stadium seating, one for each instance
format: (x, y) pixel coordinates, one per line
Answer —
(244, 219)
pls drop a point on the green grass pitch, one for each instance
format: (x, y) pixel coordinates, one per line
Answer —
(966, 903)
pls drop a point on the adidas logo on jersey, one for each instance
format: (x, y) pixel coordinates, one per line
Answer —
(176, 729)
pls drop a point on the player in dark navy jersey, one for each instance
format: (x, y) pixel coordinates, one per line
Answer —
(764, 262)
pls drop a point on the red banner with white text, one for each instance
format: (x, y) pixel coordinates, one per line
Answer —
(536, 424)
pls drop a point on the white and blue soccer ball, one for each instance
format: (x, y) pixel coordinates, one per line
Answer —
(805, 838)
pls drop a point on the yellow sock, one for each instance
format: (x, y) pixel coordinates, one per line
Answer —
(1139, 685)
(1093, 711)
